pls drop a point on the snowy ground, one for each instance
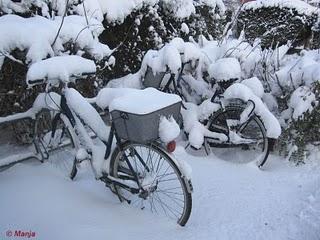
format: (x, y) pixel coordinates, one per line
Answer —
(231, 201)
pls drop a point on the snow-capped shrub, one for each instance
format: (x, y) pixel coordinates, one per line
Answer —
(28, 40)
(293, 80)
(74, 37)
(151, 26)
(277, 21)
(303, 130)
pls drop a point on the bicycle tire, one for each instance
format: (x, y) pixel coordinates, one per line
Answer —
(132, 151)
(60, 149)
(253, 129)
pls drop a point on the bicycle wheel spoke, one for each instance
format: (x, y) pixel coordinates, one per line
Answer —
(248, 140)
(162, 190)
(172, 210)
(173, 200)
(154, 206)
(168, 194)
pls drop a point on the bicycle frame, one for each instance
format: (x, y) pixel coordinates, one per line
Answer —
(217, 98)
(106, 178)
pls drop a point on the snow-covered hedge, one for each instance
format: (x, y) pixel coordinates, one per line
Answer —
(277, 21)
(45, 41)
(112, 11)
(133, 26)
(25, 41)
(294, 81)
(151, 26)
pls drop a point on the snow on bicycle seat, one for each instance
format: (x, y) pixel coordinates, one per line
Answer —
(60, 68)
(135, 101)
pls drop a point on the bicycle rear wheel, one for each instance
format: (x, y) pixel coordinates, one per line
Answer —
(60, 148)
(254, 145)
(166, 193)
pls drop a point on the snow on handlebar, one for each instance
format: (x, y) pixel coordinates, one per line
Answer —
(60, 69)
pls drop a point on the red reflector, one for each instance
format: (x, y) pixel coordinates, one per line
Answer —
(171, 146)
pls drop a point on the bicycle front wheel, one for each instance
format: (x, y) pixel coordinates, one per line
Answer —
(60, 148)
(252, 143)
(163, 191)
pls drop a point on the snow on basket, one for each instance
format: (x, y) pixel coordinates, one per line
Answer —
(136, 115)
(59, 68)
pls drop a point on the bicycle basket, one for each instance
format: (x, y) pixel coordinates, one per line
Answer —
(151, 80)
(142, 128)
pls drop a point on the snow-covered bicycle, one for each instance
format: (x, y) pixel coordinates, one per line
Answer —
(234, 124)
(127, 156)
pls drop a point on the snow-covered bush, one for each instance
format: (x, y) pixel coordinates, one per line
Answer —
(152, 25)
(277, 21)
(298, 79)
(292, 83)
(28, 40)
(32, 30)
(131, 26)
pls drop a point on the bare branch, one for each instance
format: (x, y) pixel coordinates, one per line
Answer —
(12, 58)
(64, 15)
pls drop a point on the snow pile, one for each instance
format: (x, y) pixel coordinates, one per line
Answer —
(168, 129)
(255, 85)
(143, 101)
(244, 93)
(192, 117)
(167, 57)
(60, 68)
(248, 55)
(225, 69)
(300, 6)
(135, 101)
(172, 55)
(128, 81)
(16, 34)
